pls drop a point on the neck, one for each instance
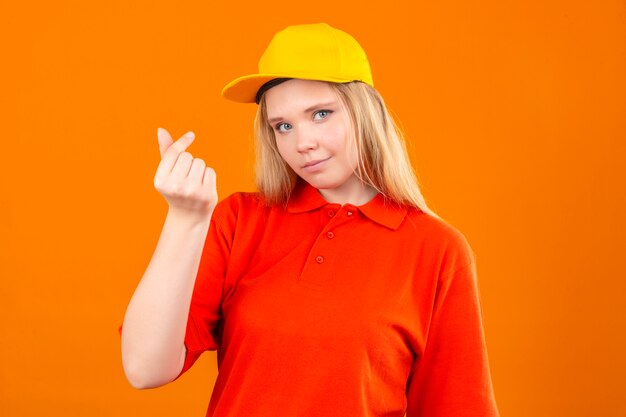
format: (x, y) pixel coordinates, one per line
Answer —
(356, 196)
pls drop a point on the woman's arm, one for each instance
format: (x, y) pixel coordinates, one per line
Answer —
(153, 350)
(452, 377)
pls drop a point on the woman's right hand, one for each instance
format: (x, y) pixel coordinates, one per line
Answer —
(186, 182)
(153, 348)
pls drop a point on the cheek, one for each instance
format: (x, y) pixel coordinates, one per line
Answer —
(344, 140)
(283, 151)
(353, 158)
(349, 150)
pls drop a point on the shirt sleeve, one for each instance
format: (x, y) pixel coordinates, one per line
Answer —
(451, 378)
(202, 332)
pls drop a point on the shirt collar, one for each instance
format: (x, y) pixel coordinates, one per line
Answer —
(381, 210)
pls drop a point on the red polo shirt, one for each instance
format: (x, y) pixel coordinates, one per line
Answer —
(320, 309)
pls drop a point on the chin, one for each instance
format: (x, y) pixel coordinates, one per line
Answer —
(321, 184)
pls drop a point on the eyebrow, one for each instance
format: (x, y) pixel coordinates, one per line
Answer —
(307, 110)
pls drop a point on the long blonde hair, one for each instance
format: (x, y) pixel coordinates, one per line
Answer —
(383, 162)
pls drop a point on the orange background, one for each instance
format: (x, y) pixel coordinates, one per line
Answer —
(516, 113)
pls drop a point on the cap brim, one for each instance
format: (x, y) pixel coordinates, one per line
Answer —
(244, 89)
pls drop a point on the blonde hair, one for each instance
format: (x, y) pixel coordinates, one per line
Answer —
(383, 162)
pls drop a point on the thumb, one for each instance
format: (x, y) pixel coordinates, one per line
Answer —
(165, 140)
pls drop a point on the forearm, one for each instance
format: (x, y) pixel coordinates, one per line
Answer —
(154, 326)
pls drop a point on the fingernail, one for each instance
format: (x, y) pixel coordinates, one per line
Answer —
(190, 135)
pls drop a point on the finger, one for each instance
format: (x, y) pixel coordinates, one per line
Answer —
(182, 166)
(196, 172)
(209, 180)
(170, 155)
(181, 144)
(165, 140)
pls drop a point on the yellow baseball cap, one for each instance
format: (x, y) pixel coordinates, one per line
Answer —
(310, 52)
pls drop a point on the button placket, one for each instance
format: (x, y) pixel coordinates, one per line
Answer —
(319, 258)
(328, 245)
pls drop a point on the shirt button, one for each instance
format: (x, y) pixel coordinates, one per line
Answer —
(331, 213)
(330, 235)
(319, 259)
(349, 213)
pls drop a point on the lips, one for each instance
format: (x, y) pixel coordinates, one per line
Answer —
(315, 162)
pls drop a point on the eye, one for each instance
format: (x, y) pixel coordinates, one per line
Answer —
(322, 114)
(283, 127)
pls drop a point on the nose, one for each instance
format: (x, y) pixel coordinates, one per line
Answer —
(306, 140)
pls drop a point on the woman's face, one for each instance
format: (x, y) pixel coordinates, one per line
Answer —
(315, 136)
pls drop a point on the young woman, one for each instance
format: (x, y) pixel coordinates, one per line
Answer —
(333, 290)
